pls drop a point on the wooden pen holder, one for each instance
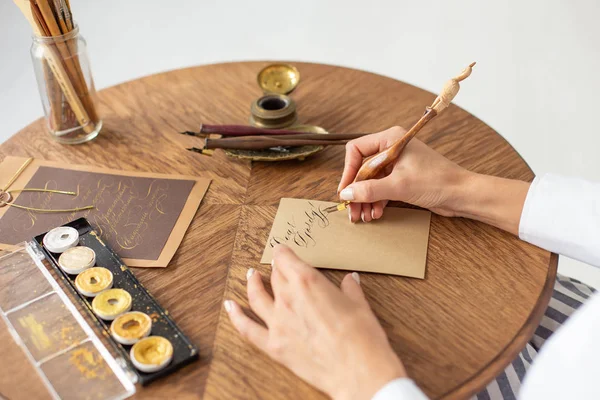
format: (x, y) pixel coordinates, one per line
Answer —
(66, 87)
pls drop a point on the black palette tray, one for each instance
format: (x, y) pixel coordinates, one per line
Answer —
(184, 351)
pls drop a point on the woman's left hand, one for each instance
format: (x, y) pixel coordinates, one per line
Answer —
(327, 336)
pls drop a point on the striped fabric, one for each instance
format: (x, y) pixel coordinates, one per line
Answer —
(569, 294)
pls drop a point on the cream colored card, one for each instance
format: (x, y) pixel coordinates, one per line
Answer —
(395, 244)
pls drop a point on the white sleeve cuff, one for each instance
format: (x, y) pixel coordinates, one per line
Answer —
(400, 389)
(562, 215)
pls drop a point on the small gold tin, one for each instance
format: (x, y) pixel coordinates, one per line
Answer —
(278, 78)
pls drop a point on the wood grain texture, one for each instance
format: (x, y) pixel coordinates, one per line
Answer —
(484, 293)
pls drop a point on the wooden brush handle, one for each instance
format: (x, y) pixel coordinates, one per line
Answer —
(70, 70)
(55, 64)
(264, 142)
(375, 164)
(243, 130)
(314, 136)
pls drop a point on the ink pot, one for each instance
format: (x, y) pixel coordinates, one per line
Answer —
(275, 110)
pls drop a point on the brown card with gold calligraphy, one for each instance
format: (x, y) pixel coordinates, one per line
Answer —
(142, 216)
(395, 244)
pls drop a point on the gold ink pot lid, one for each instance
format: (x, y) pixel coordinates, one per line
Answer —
(278, 78)
(151, 354)
(130, 327)
(94, 280)
(111, 303)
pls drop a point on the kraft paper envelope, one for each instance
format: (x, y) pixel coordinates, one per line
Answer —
(395, 244)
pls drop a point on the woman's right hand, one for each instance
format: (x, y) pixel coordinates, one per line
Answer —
(420, 176)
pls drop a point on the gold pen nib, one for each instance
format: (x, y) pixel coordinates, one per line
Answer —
(337, 207)
(206, 152)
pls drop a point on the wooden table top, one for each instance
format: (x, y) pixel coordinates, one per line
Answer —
(484, 293)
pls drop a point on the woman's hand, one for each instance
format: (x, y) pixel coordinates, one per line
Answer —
(427, 179)
(420, 176)
(327, 336)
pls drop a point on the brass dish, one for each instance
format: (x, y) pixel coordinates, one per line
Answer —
(293, 153)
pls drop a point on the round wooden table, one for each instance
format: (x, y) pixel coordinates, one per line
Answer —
(484, 293)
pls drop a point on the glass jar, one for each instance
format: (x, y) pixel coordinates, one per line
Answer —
(65, 83)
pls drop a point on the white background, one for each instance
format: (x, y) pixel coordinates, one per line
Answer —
(536, 81)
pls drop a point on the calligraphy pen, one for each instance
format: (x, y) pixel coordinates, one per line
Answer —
(374, 164)
(249, 138)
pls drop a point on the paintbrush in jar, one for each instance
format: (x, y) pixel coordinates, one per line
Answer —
(373, 165)
(52, 18)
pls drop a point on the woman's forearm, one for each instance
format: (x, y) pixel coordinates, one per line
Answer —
(495, 201)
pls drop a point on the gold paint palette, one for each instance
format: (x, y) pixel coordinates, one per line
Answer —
(78, 326)
(69, 356)
(120, 305)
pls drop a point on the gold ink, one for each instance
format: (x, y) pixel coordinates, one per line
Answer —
(89, 364)
(39, 338)
(303, 235)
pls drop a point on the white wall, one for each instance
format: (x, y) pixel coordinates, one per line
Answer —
(535, 82)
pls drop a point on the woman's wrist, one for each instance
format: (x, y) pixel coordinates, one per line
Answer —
(370, 379)
(495, 201)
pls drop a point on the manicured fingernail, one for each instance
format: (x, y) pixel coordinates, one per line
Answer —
(228, 305)
(372, 213)
(347, 194)
(362, 216)
(249, 273)
(356, 277)
(350, 214)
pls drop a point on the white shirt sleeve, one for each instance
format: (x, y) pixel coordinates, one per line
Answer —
(400, 389)
(562, 215)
